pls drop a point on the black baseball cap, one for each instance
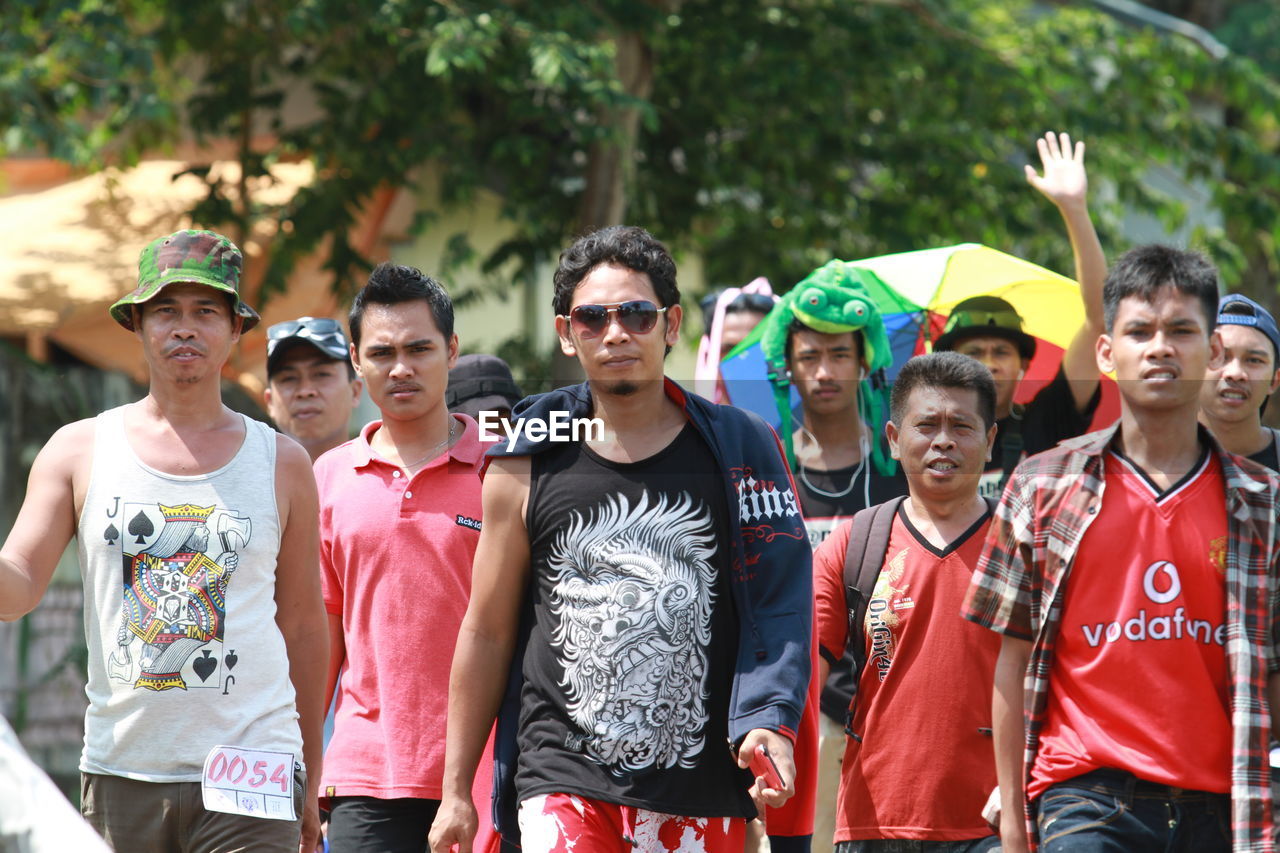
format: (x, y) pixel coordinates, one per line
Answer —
(480, 383)
(1236, 309)
(323, 333)
(986, 316)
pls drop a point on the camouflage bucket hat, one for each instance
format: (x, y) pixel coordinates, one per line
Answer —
(197, 257)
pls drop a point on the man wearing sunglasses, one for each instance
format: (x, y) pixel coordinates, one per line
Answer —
(989, 329)
(312, 387)
(651, 589)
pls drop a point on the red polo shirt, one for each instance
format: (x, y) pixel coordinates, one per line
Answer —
(395, 556)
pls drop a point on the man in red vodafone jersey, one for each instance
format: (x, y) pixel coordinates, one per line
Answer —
(914, 779)
(1130, 705)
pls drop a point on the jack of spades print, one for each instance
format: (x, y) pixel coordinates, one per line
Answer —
(175, 588)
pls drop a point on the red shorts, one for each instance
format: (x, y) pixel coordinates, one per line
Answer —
(564, 823)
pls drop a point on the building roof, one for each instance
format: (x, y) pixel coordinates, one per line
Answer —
(69, 250)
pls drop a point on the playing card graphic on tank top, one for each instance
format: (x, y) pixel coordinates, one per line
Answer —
(184, 648)
(178, 562)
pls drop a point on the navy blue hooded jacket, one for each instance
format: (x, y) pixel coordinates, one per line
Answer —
(771, 563)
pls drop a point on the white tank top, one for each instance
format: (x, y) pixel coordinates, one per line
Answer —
(179, 611)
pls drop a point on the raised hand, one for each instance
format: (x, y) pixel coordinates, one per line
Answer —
(1064, 181)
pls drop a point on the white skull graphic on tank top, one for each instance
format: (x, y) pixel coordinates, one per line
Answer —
(632, 592)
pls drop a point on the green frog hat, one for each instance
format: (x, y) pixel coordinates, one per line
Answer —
(832, 299)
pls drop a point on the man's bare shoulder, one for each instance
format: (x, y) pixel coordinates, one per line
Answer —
(506, 487)
(71, 445)
(510, 468)
(291, 457)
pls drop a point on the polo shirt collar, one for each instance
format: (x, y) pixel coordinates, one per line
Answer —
(467, 449)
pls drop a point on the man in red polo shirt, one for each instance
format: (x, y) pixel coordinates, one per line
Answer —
(1130, 698)
(914, 779)
(399, 523)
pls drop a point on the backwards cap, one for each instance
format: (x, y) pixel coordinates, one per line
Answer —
(1236, 309)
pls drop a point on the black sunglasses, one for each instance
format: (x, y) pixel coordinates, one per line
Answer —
(637, 316)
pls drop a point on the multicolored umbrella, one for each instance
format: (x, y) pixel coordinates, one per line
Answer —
(917, 290)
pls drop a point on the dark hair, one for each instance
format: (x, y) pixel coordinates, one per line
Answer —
(392, 284)
(1143, 271)
(945, 369)
(743, 303)
(622, 245)
(799, 326)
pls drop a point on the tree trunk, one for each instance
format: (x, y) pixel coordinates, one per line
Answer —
(611, 165)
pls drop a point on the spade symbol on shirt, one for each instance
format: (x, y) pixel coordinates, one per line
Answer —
(205, 665)
(141, 527)
(111, 534)
(231, 659)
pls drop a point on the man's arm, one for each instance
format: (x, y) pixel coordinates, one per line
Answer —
(1273, 700)
(831, 609)
(486, 641)
(1010, 740)
(337, 656)
(46, 522)
(300, 613)
(1065, 183)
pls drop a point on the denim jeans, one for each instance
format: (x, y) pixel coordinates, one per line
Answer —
(906, 845)
(1110, 811)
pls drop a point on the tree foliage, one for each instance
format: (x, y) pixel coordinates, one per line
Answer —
(770, 135)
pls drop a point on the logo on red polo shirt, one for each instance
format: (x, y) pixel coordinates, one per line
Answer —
(473, 523)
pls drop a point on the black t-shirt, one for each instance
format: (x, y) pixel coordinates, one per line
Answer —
(630, 664)
(1267, 456)
(829, 497)
(1049, 418)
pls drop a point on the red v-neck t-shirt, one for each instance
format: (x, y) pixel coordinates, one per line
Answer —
(1139, 680)
(924, 766)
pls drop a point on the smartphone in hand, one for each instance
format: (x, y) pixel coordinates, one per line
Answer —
(762, 765)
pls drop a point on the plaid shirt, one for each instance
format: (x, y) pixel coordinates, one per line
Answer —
(1019, 589)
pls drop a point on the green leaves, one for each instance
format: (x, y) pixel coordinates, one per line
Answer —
(776, 133)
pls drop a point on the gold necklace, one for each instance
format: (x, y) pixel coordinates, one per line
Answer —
(433, 452)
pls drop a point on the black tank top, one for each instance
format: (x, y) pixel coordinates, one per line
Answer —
(629, 667)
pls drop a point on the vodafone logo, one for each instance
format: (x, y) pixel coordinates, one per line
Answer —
(1161, 574)
(1162, 586)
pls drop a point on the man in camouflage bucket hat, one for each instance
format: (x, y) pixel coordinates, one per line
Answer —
(195, 257)
(197, 531)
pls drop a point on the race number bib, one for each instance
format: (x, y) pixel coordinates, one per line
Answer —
(249, 782)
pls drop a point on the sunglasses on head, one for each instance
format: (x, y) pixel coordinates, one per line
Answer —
(637, 316)
(305, 327)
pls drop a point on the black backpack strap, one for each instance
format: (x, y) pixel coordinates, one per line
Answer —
(868, 542)
(1011, 444)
